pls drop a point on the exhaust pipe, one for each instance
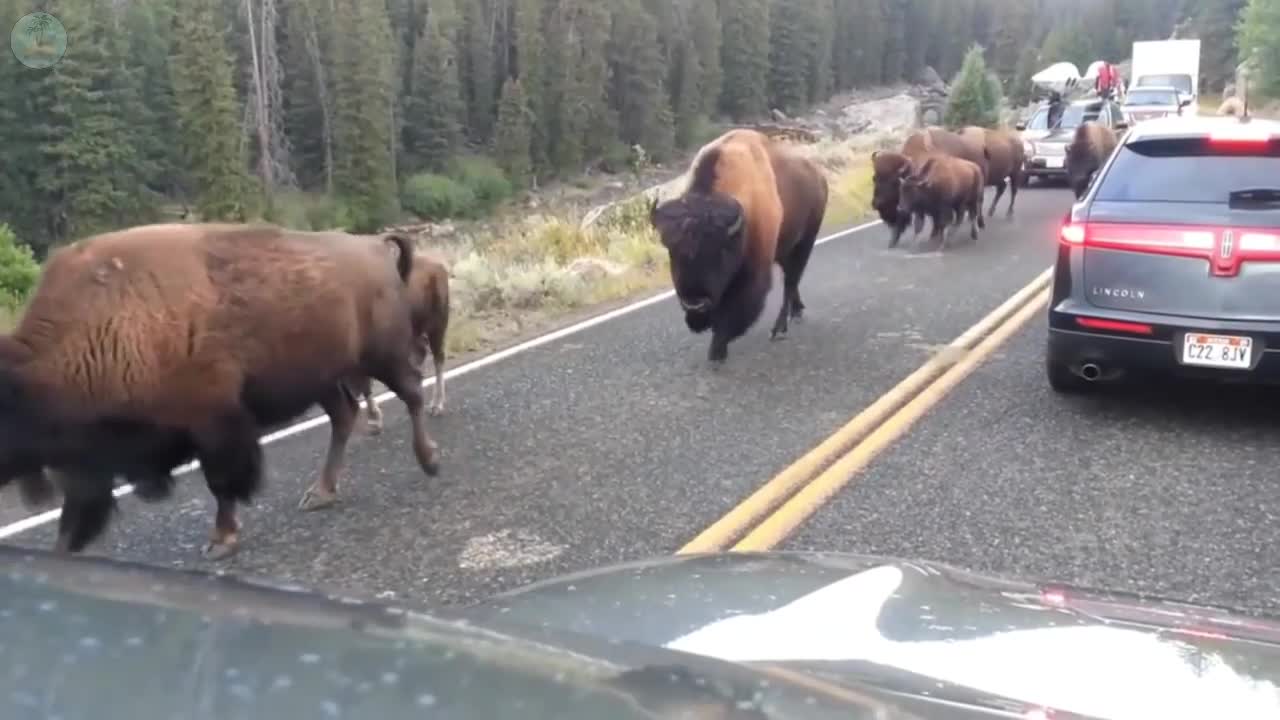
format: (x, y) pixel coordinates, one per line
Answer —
(1090, 372)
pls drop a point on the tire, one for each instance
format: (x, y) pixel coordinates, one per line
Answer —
(1062, 380)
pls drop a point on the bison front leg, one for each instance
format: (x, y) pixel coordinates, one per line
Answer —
(231, 457)
(342, 411)
(87, 507)
(1000, 188)
(405, 380)
(738, 310)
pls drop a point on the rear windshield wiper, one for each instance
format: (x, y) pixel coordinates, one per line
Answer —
(1254, 199)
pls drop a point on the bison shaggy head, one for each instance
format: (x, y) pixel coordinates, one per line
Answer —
(886, 177)
(913, 184)
(705, 237)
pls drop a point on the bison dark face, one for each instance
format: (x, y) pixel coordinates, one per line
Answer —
(705, 237)
(912, 186)
(886, 175)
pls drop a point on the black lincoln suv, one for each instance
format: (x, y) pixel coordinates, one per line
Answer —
(1170, 263)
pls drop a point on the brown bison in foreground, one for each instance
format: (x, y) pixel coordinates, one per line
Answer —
(1006, 162)
(1085, 155)
(888, 167)
(145, 348)
(428, 287)
(749, 203)
(944, 187)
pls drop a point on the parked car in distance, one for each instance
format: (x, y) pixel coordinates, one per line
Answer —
(1148, 103)
(1170, 263)
(1046, 147)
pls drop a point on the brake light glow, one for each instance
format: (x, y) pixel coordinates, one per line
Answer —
(1224, 249)
(1239, 135)
(1115, 325)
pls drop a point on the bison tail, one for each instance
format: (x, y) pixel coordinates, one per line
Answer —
(404, 263)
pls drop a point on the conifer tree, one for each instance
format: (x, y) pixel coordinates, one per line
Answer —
(363, 174)
(434, 109)
(745, 57)
(208, 113)
(970, 102)
(513, 134)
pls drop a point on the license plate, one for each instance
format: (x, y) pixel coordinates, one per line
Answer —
(1221, 351)
(1053, 162)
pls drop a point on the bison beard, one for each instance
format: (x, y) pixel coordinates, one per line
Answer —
(749, 204)
(146, 348)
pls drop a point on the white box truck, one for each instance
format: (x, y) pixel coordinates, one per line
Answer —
(1168, 63)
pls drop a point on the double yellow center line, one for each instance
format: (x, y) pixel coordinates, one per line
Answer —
(773, 512)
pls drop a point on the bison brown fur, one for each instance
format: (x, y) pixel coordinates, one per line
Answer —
(944, 187)
(887, 168)
(428, 287)
(1006, 163)
(1089, 149)
(145, 348)
(749, 203)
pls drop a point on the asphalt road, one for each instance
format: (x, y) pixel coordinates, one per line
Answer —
(1162, 489)
(614, 444)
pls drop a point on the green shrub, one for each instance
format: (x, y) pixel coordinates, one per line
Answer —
(436, 197)
(19, 270)
(308, 211)
(484, 178)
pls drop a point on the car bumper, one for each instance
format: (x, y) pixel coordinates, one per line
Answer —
(1045, 167)
(1122, 352)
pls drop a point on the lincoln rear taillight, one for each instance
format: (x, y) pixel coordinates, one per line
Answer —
(1223, 248)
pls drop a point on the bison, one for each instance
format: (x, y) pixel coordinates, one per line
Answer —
(1006, 162)
(749, 203)
(429, 299)
(888, 166)
(145, 348)
(940, 187)
(1085, 154)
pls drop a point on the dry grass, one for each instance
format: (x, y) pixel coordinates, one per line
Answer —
(514, 283)
(531, 272)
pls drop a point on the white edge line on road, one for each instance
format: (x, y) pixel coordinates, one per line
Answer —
(48, 516)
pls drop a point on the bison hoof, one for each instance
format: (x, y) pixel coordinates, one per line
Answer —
(432, 469)
(215, 550)
(436, 409)
(317, 498)
(373, 428)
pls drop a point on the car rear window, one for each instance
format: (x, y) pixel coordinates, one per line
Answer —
(1188, 171)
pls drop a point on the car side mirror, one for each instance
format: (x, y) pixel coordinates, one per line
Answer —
(1184, 102)
(1122, 125)
(1020, 126)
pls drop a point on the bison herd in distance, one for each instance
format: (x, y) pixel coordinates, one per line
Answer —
(942, 175)
(144, 349)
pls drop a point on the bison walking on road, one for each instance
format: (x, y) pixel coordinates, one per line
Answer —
(1085, 155)
(1006, 161)
(429, 302)
(749, 203)
(944, 187)
(145, 348)
(888, 166)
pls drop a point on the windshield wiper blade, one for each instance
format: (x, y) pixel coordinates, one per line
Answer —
(1254, 198)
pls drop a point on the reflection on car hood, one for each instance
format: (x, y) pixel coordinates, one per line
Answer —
(86, 638)
(928, 629)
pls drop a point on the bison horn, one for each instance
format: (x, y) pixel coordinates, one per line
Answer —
(737, 225)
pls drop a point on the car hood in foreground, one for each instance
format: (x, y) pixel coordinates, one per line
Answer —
(719, 636)
(928, 629)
